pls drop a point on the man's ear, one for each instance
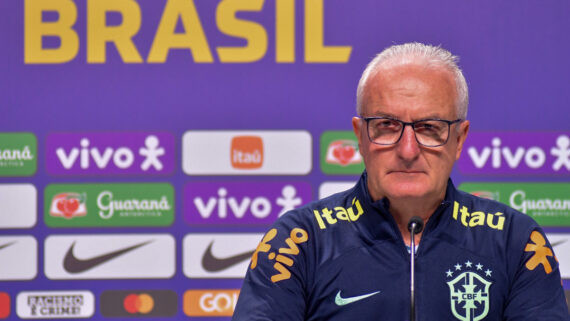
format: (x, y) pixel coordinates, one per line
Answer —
(461, 136)
(357, 127)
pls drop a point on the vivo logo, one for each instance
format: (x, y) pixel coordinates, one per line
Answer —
(122, 157)
(260, 206)
(242, 203)
(110, 153)
(517, 153)
(534, 157)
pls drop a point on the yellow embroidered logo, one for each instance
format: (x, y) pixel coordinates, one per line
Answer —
(478, 218)
(297, 236)
(540, 252)
(340, 213)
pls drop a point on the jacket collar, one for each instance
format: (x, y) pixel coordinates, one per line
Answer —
(377, 217)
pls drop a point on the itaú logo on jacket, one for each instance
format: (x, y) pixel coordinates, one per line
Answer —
(477, 218)
(327, 216)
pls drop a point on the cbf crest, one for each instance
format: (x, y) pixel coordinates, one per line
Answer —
(469, 290)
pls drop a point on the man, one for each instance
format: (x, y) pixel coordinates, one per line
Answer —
(346, 257)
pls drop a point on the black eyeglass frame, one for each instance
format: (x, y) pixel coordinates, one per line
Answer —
(411, 124)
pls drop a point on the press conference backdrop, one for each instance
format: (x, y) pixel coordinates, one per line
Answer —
(147, 145)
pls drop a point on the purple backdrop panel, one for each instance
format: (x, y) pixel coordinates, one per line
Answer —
(110, 153)
(242, 203)
(516, 153)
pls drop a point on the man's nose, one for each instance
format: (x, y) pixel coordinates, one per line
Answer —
(408, 147)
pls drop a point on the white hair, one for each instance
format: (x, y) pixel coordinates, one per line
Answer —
(422, 54)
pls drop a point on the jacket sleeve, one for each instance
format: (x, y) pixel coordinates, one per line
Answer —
(275, 284)
(536, 292)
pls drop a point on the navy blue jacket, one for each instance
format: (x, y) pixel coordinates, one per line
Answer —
(343, 258)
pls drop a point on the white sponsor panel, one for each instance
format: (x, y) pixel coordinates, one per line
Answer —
(218, 255)
(55, 304)
(286, 152)
(128, 256)
(18, 205)
(18, 258)
(561, 246)
(329, 188)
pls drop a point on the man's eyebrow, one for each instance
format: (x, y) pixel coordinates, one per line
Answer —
(388, 115)
(430, 116)
(384, 115)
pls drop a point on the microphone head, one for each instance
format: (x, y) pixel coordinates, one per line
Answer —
(415, 225)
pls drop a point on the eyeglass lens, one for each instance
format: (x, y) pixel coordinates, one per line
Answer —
(385, 131)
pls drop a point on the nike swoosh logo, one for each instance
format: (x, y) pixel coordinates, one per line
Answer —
(3, 246)
(211, 263)
(74, 265)
(558, 243)
(340, 301)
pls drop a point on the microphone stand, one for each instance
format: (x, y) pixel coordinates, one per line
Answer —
(415, 226)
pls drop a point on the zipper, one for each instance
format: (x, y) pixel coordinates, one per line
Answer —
(430, 224)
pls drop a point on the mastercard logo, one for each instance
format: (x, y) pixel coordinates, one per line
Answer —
(133, 303)
(138, 303)
(4, 305)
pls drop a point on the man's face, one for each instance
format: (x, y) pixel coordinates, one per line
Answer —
(408, 170)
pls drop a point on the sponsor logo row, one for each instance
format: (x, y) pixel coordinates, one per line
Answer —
(153, 153)
(127, 256)
(270, 152)
(124, 303)
(135, 256)
(119, 303)
(151, 204)
(227, 203)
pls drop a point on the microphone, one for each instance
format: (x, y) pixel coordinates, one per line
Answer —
(415, 226)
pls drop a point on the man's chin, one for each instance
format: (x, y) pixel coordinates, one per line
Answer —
(408, 190)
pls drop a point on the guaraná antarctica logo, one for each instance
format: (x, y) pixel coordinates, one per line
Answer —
(110, 153)
(469, 285)
(18, 154)
(103, 205)
(339, 153)
(528, 153)
(547, 203)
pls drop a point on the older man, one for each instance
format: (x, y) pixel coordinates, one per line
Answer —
(346, 257)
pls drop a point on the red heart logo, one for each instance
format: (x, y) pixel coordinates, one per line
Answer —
(72, 205)
(344, 153)
(61, 205)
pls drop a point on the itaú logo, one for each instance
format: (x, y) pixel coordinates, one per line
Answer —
(210, 302)
(247, 152)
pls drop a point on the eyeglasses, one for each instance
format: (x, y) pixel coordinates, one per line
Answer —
(389, 131)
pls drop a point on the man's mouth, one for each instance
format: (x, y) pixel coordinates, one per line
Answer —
(406, 172)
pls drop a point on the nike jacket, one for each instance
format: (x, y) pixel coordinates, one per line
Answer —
(343, 258)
